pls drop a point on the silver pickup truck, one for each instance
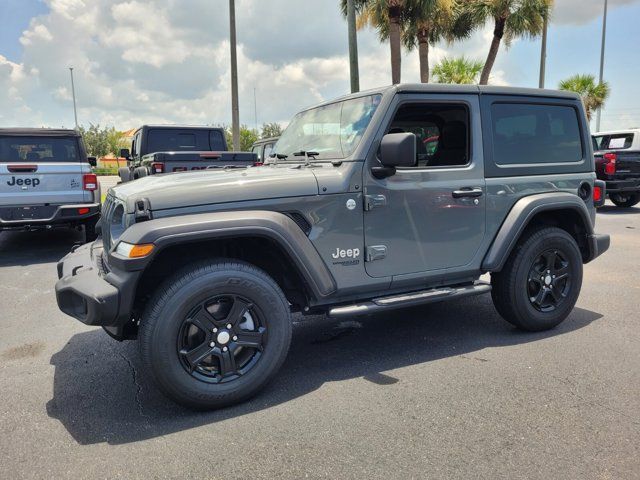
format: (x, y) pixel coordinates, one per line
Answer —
(46, 181)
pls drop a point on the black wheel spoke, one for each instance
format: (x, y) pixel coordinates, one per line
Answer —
(562, 272)
(203, 320)
(250, 339)
(237, 311)
(549, 260)
(556, 296)
(195, 356)
(227, 362)
(540, 297)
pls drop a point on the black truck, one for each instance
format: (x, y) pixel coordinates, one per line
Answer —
(617, 156)
(172, 148)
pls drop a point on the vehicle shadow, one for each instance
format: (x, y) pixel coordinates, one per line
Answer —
(18, 248)
(101, 394)
(613, 210)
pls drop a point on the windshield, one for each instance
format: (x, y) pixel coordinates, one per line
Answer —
(39, 149)
(333, 131)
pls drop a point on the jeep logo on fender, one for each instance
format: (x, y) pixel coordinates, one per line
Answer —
(350, 253)
(29, 182)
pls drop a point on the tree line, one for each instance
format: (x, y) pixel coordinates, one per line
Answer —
(420, 24)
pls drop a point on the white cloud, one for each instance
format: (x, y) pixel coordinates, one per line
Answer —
(167, 61)
(576, 12)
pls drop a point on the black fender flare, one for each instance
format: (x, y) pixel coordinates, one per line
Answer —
(276, 226)
(522, 213)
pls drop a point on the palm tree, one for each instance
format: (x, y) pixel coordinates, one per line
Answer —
(429, 21)
(457, 70)
(593, 94)
(511, 19)
(387, 17)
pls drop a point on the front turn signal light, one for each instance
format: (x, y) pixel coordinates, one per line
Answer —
(129, 250)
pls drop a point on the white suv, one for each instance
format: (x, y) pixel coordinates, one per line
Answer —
(46, 181)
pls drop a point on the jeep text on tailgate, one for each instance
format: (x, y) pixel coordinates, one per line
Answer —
(379, 200)
(46, 181)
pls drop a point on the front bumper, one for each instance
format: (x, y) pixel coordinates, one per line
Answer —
(17, 217)
(85, 292)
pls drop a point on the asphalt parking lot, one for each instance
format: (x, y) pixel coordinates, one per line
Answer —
(444, 391)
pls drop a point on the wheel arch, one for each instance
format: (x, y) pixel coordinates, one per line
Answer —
(560, 209)
(269, 240)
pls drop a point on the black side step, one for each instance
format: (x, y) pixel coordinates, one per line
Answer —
(410, 299)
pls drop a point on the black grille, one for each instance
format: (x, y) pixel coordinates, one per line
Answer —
(107, 211)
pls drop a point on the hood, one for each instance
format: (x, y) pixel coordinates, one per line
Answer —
(184, 189)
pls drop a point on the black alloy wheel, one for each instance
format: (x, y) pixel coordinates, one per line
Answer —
(222, 338)
(549, 280)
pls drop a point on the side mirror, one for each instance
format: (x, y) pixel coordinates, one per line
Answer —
(93, 161)
(124, 153)
(396, 150)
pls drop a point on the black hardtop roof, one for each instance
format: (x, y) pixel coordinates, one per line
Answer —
(457, 89)
(39, 132)
(165, 126)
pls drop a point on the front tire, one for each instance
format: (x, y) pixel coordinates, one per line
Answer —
(215, 333)
(540, 283)
(625, 200)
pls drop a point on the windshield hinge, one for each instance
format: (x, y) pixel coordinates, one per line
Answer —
(371, 201)
(142, 210)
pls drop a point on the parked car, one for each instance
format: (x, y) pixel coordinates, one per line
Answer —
(617, 156)
(263, 148)
(205, 269)
(46, 181)
(172, 148)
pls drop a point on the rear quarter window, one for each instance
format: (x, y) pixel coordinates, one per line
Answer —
(530, 134)
(216, 141)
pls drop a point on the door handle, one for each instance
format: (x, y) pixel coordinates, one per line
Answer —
(467, 192)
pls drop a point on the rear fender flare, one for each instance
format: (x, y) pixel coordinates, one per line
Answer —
(521, 215)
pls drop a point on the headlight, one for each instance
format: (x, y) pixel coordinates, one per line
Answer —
(117, 223)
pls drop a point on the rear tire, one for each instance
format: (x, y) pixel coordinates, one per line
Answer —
(125, 174)
(140, 172)
(215, 333)
(625, 201)
(540, 283)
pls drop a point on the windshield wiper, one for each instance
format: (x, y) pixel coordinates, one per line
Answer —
(305, 154)
(278, 156)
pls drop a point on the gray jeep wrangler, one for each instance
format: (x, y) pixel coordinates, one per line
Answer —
(379, 200)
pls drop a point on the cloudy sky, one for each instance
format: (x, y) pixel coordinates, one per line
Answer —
(167, 61)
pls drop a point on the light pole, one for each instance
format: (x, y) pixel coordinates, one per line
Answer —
(73, 93)
(353, 46)
(543, 52)
(604, 37)
(235, 109)
(255, 108)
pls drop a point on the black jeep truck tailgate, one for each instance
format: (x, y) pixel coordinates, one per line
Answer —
(167, 162)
